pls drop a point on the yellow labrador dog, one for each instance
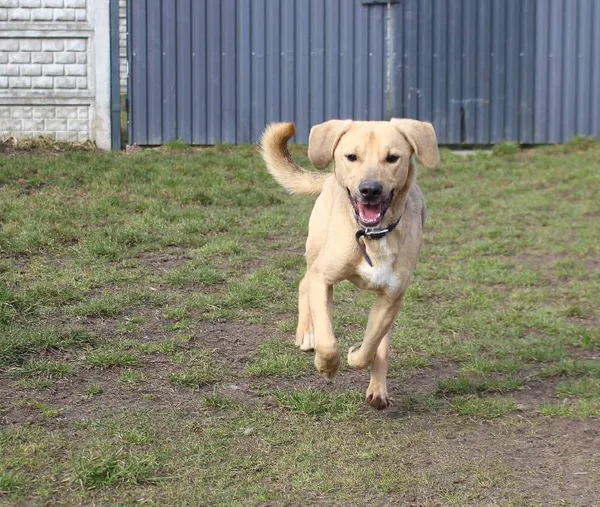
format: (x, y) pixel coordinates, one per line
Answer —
(366, 227)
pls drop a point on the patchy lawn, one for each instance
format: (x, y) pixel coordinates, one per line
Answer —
(147, 311)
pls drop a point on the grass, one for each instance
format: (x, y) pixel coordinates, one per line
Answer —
(200, 370)
(279, 358)
(571, 368)
(47, 369)
(92, 390)
(463, 385)
(147, 316)
(11, 482)
(21, 341)
(43, 408)
(312, 402)
(584, 388)
(484, 408)
(218, 401)
(580, 409)
(106, 469)
(131, 377)
(107, 357)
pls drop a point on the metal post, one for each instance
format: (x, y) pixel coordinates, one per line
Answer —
(389, 62)
(115, 96)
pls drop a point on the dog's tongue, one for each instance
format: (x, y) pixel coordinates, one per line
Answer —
(369, 213)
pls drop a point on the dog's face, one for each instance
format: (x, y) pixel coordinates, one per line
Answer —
(372, 159)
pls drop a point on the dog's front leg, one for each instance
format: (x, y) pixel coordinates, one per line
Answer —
(382, 316)
(377, 394)
(327, 352)
(375, 348)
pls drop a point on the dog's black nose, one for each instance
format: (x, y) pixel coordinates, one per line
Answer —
(371, 190)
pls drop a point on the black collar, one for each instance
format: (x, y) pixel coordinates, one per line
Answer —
(369, 233)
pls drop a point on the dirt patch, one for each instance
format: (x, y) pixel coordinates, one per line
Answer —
(545, 458)
(68, 396)
(164, 260)
(563, 452)
(42, 146)
(235, 343)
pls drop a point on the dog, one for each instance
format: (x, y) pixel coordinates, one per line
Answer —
(366, 227)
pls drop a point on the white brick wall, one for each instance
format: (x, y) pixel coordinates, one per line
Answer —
(43, 10)
(50, 83)
(66, 123)
(123, 68)
(44, 62)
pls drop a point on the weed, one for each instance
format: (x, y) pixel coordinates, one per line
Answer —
(506, 148)
(176, 144)
(218, 401)
(135, 436)
(92, 390)
(12, 482)
(131, 377)
(44, 409)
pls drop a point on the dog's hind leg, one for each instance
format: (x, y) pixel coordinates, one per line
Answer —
(305, 335)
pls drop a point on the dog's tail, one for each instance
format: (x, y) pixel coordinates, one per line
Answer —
(281, 165)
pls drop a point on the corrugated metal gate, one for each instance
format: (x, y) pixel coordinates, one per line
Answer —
(217, 71)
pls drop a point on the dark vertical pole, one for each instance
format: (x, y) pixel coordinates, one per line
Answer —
(115, 98)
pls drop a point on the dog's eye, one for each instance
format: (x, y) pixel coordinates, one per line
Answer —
(391, 159)
(351, 157)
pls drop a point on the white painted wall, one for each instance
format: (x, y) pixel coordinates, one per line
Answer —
(123, 67)
(55, 69)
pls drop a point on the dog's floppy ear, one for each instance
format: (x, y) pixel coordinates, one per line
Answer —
(323, 140)
(422, 138)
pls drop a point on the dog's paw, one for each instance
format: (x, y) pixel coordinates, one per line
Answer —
(327, 365)
(355, 358)
(306, 340)
(377, 397)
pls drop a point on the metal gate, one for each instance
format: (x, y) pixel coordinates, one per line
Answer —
(217, 71)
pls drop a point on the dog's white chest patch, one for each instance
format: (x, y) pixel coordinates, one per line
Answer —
(381, 275)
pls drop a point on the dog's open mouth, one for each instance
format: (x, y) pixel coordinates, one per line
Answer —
(370, 214)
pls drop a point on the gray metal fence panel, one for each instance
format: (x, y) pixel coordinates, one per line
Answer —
(567, 79)
(483, 71)
(469, 71)
(556, 69)
(463, 68)
(567, 70)
(154, 60)
(482, 98)
(440, 65)
(595, 83)
(184, 72)
(527, 74)
(216, 71)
